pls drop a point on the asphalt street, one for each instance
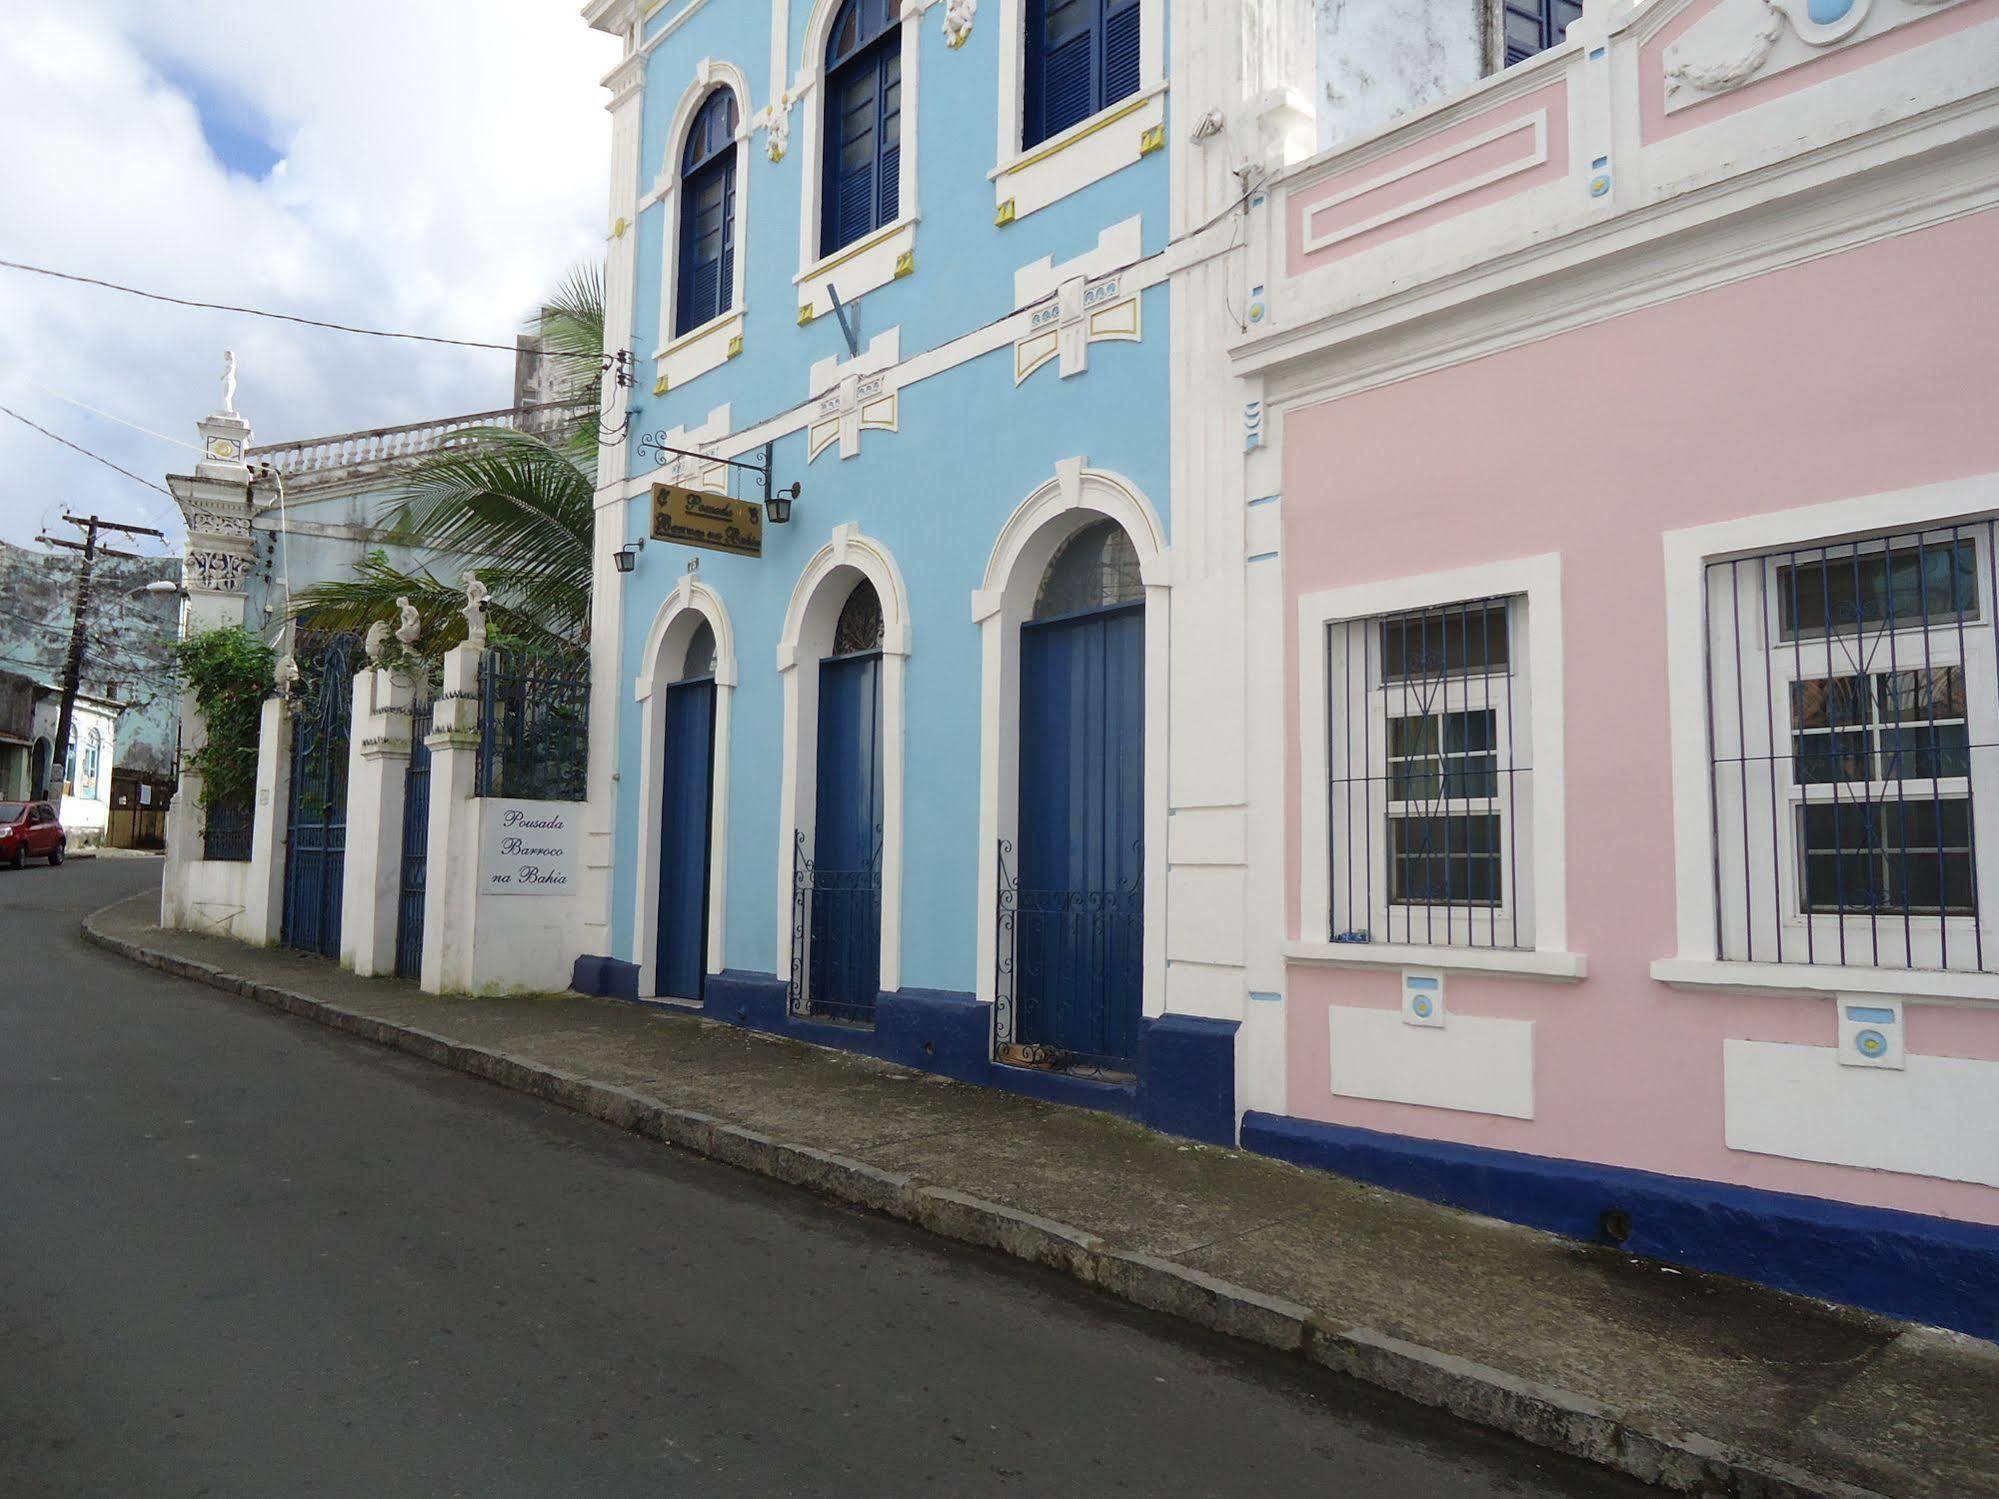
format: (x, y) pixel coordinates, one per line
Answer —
(242, 1255)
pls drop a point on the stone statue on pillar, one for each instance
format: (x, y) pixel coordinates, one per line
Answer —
(228, 382)
(476, 595)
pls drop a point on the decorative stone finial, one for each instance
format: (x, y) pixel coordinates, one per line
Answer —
(287, 675)
(228, 382)
(410, 625)
(476, 595)
(377, 641)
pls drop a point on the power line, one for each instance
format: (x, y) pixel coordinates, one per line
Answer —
(81, 406)
(292, 317)
(94, 458)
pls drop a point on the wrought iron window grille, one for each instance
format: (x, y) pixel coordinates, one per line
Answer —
(831, 909)
(1852, 716)
(1429, 786)
(226, 830)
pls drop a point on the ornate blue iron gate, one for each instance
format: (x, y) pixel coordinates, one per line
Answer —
(414, 878)
(1070, 959)
(316, 816)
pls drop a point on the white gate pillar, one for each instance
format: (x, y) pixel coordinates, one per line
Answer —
(264, 891)
(452, 880)
(378, 754)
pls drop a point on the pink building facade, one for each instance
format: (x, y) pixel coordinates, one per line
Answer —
(1624, 443)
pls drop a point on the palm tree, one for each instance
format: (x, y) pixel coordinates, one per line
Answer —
(521, 503)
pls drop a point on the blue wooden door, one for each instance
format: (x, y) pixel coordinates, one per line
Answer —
(1081, 916)
(686, 801)
(844, 968)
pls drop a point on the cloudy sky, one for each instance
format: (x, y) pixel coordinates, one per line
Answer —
(431, 165)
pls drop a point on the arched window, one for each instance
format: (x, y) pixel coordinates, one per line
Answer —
(93, 760)
(860, 190)
(860, 625)
(1081, 56)
(699, 661)
(708, 214)
(1094, 569)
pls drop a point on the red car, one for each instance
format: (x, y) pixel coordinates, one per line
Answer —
(30, 830)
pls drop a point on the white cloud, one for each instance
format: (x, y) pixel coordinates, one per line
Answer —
(444, 163)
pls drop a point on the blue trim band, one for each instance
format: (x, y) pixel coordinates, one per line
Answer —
(1907, 1265)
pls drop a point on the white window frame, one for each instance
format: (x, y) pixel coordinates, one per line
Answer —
(1029, 178)
(1688, 553)
(1539, 803)
(876, 259)
(686, 356)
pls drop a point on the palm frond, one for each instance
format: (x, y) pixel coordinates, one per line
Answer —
(572, 321)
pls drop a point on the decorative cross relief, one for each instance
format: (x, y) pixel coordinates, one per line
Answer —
(855, 396)
(694, 473)
(1080, 314)
(1080, 302)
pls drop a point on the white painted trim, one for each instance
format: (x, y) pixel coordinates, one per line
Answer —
(1539, 580)
(821, 589)
(1501, 961)
(1536, 155)
(807, 95)
(680, 614)
(1687, 552)
(692, 359)
(1073, 498)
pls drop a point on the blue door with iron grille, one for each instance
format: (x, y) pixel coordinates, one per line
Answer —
(1080, 918)
(316, 812)
(687, 786)
(413, 884)
(844, 882)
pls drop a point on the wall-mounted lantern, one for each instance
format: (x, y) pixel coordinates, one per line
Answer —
(627, 556)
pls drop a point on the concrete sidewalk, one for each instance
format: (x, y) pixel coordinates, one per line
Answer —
(1698, 1383)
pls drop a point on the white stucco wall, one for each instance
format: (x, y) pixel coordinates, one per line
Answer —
(1377, 61)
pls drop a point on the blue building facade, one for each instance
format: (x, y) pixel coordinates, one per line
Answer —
(898, 781)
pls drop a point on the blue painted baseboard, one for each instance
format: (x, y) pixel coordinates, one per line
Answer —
(1906, 1265)
(1186, 1077)
(607, 978)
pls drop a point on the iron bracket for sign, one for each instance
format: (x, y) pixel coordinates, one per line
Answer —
(654, 445)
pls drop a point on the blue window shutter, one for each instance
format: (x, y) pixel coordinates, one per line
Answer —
(1081, 56)
(863, 141)
(1120, 53)
(707, 215)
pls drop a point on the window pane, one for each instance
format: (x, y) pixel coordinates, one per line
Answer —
(1445, 860)
(1462, 639)
(1846, 588)
(1889, 857)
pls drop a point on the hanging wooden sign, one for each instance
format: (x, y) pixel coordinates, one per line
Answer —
(697, 519)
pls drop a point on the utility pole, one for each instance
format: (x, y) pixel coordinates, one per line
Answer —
(72, 666)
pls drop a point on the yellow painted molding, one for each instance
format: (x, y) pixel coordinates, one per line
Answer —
(1154, 139)
(735, 346)
(1101, 122)
(804, 314)
(659, 386)
(618, 227)
(1005, 214)
(905, 264)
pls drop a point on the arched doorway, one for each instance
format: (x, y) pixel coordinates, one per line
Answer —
(1079, 907)
(840, 883)
(687, 786)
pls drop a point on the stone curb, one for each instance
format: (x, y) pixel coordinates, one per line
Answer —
(1542, 1414)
